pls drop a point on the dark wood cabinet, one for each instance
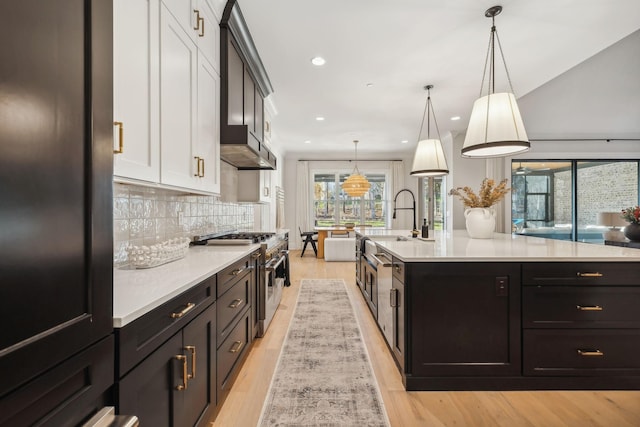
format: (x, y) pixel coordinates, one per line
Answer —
(581, 320)
(231, 354)
(56, 179)
(464, 319)
(176, 363)
(144, 335)
(244, 85)
(176, 384)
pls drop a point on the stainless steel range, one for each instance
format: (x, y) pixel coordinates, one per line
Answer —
(273, 267)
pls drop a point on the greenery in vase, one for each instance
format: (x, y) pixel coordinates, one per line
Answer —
(632, 214)
(489, 194)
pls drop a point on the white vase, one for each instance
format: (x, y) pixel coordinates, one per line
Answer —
(481, 222)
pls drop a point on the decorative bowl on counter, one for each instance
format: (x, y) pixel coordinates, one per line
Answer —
(158, 254)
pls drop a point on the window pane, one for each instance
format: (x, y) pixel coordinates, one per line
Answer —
(334, 206)
(541, 199)
(603, 186)
(324, 199)
(374, 201)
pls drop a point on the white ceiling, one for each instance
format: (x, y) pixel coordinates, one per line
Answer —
(402, 45)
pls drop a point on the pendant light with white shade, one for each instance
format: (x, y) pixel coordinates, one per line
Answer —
(495, 127)
(429, 159)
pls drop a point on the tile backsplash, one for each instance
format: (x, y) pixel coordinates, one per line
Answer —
(145, 216)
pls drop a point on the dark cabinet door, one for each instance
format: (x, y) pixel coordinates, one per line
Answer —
(150, 390)
(259, 116)
(176, 385)
(466, 319)
(55, 176)
(198, 402)
(233, 89)
(249, 101)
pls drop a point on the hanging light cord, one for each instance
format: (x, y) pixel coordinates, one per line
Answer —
(491, 54)
(428, 109)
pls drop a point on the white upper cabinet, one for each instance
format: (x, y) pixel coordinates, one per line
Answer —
(167, 94)
(181, 165)
(201, 24)
(189, 111)
(135, 94)
(208, 126)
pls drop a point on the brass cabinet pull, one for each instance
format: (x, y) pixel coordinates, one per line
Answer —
(201, 161)
(120, 149)
(590, 353)
(197, 166)
(192, 349)
(197, 12)
(255, 255)
(183, 359)
(236, 347)
(235, 303)
(237, 271)
(199, 20)
(179, 314)
(596, 274)
(589, 307)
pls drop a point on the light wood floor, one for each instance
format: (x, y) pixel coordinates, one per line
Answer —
(407, 409)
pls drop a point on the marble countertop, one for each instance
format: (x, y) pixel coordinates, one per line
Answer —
(138, 291)
(459, 247)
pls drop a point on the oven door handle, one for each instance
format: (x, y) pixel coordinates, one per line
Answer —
(280, 261)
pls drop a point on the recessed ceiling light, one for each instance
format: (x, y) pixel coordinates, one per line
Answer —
(369, 84)
(319, 118)
(454, 118)
(404, 141)
(318, 61)
(307, 142)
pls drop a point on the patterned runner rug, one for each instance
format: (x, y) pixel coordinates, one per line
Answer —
(324, 376)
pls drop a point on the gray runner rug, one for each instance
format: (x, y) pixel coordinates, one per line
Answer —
(324, 376)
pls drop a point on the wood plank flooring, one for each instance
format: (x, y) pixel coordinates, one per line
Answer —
(408, 409)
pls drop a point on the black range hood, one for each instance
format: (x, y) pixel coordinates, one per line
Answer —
(244, 85)
(242, 149)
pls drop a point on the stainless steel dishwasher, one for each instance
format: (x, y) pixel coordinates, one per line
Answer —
(383, 264)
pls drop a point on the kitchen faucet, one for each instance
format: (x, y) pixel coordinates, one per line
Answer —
(414, 232)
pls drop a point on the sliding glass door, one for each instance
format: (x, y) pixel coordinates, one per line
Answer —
(568, 199)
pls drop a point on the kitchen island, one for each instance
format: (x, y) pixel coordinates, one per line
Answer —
(508, 313)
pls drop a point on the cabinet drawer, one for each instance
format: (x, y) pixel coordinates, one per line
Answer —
(561, 352)
(228, 277)
(581, 306)
(229, 354)
(581, 273)
(398, 269)
(138, 339)
(231, 305)
(66, 395)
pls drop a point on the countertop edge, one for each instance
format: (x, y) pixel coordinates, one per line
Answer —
(131, 277)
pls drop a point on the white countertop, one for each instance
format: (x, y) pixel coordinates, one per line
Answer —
(459, 247)
(136, 292)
